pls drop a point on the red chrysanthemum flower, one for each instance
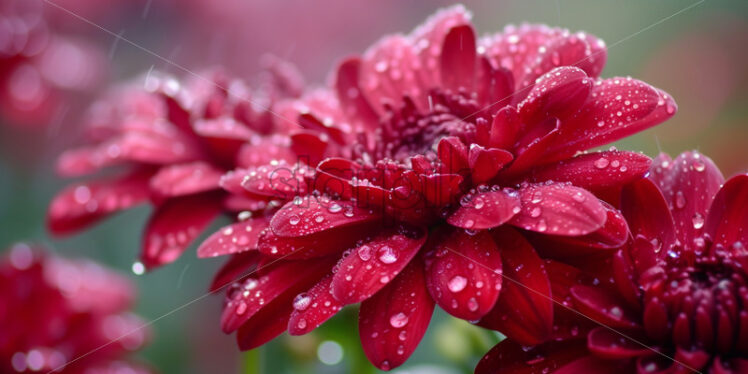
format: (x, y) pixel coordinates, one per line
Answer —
(428, 169)
(174, 143)
(38, 64)
(65, 316)
(677, 298)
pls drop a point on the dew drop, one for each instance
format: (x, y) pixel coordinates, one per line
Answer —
(335, 208)
(241, 308)
(472, 304)
(398, 320)
(294, 220)
(698, 221)
(601, 163)
(302, 301)
(680, 200)
(457, 283)
(387, 255)
(364, 252)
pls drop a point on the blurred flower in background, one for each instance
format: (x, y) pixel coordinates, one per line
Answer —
(66, 316)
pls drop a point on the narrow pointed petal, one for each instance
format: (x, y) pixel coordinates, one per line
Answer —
(458, 58)
(509, 357)
(689, 184)
(616, 108)
(494, 85)
(185, 179)
(310, 215)
(559, 209)
(727, 223)
(312, 308)
(373, 264)
(350, 95)
(486, 163)
(504, 128)
(263, 327)
(175, 224)
(235, 238)
(486, 210)
(524, 311)
(393, 321)
(595, 170)
(463, 274)
(271, 290)
(81, 205)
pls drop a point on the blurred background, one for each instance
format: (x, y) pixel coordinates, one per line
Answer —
(72, 53)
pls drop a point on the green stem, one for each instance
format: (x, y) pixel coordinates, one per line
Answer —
(252, 362)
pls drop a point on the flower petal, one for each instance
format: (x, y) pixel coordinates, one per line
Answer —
(328, 242)
(350, 96)
(559, 93)
(313, 307)
(280, 180)
(235, 238)
(373, 264)
(689, 184)
(594, 170)
(393, 321)
(264, 326)
(727, 223)
(509, 357)
(310, 215)
(185, 179)
(655, 223)
(458, 58)
(463, 274)
(594, 365)
(485, 210)
(617, 107)
(81, 205)
(611, 345)
(175, 224)
(559, 209)
(278, 283)
(524, 311)
(486, 163)
(603, 307)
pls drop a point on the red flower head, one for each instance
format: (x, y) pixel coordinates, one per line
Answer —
(38, 64)
(65, 316)
(677, 299)
(429, 165)
(174, 143)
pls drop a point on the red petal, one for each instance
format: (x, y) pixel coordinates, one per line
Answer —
(654, 223)
(559, 93)
(235, 238)
(689, 184)
(265, 151)
(603, 307)
(458, 58)
(532, 145)
(280, 180)
(279, 283)
(485, 210)
(524, 311)
(441, 189)
(263, 327)
(504, 128)
(235, 269)
(509, 357)
(320, 244)
(594, 365)
(389, 71)
(393, 321)
(494, 86)
(598, 122)
(463, 274)
(175, 224)
(611, 236)
(310, 215)
(371, 265)
(309, 146)
(727, 223)
(350, 95)
(559, 209)
(81, 205)
(453, 155)
(594, 170)
(313, 307)
(486, 163)
(611, 345)
(185, 179)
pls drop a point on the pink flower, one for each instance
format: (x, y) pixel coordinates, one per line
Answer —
(432, 164)
(679, 289)
(172, 143)
(65, 316)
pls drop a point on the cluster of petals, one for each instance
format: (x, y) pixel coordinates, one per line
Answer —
(437, 169)
(673, 300)
(65, 316)
(165, 142)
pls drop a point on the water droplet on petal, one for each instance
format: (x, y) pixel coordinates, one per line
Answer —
(457, 283)
(680, 200)
(302, 301)
(601, 163)
(387, 255)
(698, 221)
(398, 320)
